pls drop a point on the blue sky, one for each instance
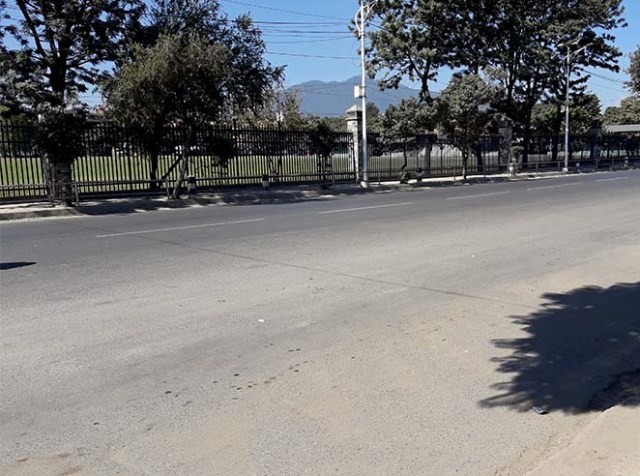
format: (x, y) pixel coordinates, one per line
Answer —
(320, 30)
(311, 38)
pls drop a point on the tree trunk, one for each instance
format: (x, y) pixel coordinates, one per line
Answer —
(153, 172)
(479, 158)
(61, 182)
(554, 149)
(465, 163)
(526, 145)
(185, 162)
(557, 126)
(426, 166)
(403, 174)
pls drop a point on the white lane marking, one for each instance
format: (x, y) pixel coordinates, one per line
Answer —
(612, 179)
(480, 195)
(345, 210)
(554, 186)
(206, 225)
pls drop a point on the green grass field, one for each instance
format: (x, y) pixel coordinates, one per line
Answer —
(121, 172)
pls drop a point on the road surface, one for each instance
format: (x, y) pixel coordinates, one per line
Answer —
(402, 333)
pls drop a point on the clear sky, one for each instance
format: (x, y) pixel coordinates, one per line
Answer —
(311, 38)
(316, 30)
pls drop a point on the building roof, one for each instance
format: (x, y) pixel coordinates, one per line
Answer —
(623, 129)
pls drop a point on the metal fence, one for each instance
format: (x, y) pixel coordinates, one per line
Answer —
(117, 162)
(586, 152)
(435, 156)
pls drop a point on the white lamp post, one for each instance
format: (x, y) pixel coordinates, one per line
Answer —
(567, 59)
(360, 21)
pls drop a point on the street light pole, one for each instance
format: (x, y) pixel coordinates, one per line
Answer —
(363, 95)
(361, 18)
(567, 117)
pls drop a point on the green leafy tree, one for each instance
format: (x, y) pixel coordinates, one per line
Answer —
(374, 118)
(180, 79)
(255, 77)
(463, 113)
(322, 144)
(415, 40)
(281, 109)
(58, 52)
(401, 123)
(634, 72)
(627, 113)
(246, 93)
(520, 45)
(548, 118)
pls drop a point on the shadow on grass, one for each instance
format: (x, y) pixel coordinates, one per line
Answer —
(579, 346)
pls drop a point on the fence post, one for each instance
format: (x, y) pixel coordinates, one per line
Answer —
(354, 126)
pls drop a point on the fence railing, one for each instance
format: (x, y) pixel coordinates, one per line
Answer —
(118, 162)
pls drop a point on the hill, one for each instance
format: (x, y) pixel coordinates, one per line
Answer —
(335, 97)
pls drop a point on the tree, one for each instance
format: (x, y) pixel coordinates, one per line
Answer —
(254, 76)
(282, 108)
(181, 79)
(322, 143)
(61, 49)
(548, 118)
(520, 45)
(463, 113)
(251, 84)
(374, 118)
(403, 122)
(627, 113)
(634, 72)
(415, 40)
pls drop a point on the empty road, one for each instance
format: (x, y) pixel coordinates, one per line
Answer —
(406, 333)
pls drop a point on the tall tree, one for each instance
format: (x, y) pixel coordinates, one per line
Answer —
(415, 39)
(254, 79)
(547, 118)
(627, 113)
(58, 51)
(181, 79)
(521, 45)
(374, 118)
(463, 113)
(255, 76)
(634, 72)
(403, 122)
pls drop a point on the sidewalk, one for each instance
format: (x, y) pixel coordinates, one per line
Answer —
(607, 446)
(248, 196)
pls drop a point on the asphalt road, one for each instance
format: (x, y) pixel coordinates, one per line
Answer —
(407, 333)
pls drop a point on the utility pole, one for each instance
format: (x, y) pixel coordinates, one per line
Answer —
(361, 18)
(567, 117)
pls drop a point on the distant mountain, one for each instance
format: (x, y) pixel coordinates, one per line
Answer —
(335, 97)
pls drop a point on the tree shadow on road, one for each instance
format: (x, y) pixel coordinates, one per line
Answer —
(15, 264)
(579, 346)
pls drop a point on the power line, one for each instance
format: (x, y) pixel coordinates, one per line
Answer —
(306, 14)
(300, 55)
(608, 87)
(323, 40)
(606, 78)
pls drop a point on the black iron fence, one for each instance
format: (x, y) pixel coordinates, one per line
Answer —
(586, 152)
(434, 156)
(117, 161)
